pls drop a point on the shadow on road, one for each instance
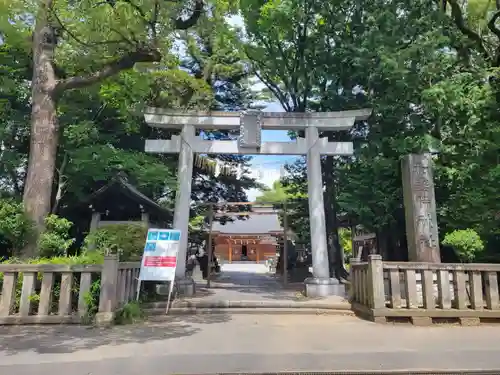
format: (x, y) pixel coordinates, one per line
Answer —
(53, 339)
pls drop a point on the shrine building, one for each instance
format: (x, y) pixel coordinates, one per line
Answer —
(256, 238)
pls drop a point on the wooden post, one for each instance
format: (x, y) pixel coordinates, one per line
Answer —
(108, 296)
(353, 243)
(94, 225)
(230, 250)
(285, 245)
(210, 255)
(376, 281)
(353, 282)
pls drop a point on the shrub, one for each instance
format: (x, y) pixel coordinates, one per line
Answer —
(129, 313)
(92, 301)
(346, 243)
(54, 240)
(15, 227)
(466, 243)
(128, 239)
(87, 257)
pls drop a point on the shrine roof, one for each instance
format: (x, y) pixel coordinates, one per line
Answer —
(120, 182)
(255, 224)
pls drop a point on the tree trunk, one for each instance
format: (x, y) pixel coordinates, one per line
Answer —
(44, 128)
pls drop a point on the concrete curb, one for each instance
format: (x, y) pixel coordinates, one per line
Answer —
(376, 372)
(158, 314)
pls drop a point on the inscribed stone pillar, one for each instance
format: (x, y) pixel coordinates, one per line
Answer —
(183, 196)
(420, 208)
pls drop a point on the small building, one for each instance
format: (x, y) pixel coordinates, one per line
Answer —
(255, 239)
(119, 202)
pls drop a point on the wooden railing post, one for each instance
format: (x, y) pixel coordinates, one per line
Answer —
(353, 280)
(109, 289)
(376, 281)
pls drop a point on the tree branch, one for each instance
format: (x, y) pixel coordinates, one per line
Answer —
(61, 183)
(274, 89)
(112, 68)
(458, 18)
(82, 42)
(492, 24)
(266, 80)
(154, 18)
(282, 73)
(181, 24)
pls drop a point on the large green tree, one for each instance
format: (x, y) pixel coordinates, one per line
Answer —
(404, 60)
(73, 47)
(102, 130)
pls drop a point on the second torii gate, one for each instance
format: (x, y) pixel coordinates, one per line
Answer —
(250, 124)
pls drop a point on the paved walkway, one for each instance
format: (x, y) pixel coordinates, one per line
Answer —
(252, 282)
(200, 344)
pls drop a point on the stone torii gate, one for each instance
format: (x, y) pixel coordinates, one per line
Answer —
(250, 124)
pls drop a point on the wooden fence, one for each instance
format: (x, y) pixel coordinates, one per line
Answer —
(51, 294)
(425, 292)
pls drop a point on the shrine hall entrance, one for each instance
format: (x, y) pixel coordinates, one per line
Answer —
(254, 248)
(246, 238)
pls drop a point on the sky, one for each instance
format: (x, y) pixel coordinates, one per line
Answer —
(267, 168)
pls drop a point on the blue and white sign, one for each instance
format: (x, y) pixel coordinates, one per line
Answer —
(159, 259)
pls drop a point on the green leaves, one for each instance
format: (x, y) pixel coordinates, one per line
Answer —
(275, 195)
(96, 163)
(466, 243)
(406, 61)
(15, 227)
(127, 239)
(54, 241)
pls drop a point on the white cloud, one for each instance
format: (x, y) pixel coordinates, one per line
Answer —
(266, 176)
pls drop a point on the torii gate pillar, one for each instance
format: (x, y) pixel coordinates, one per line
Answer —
(249, 142)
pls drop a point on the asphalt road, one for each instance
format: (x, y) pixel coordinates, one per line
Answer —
(245, 343)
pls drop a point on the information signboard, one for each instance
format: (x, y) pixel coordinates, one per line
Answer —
(159, 259)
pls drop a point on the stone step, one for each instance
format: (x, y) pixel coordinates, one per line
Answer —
(159, 314)
(267, 304)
